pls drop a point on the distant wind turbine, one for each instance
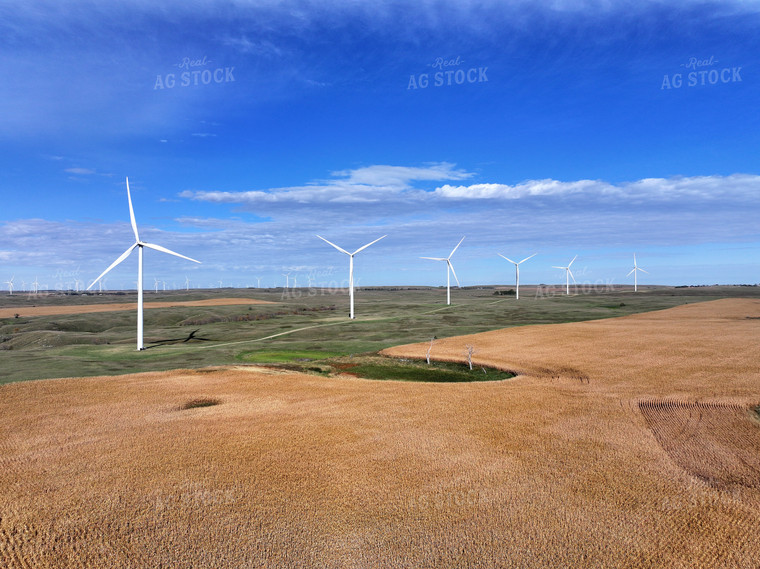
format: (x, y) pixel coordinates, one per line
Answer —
(634, 270)
(568, 274)
(287, 279)
(351, 268)
(10, 285)
(517, 272)
(139, 245)
(449, 270)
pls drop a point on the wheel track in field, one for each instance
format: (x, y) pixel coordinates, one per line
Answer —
(716, 442)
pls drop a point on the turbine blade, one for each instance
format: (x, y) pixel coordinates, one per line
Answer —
(123, 256)
(334, 245)
(455, 248)
(368, 244)
(453, 271)
(571, 274)
(642, 270)
(165, 250)
(555, 267)
(629, 274)
(132, 214)
(508, 259)
(571, 262)
(434, 258)
(526, 258)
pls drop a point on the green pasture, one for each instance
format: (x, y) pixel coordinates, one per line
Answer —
(302, 324)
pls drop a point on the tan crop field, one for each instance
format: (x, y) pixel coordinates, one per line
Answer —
(624, 442)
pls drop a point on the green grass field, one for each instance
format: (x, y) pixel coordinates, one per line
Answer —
(306, 325)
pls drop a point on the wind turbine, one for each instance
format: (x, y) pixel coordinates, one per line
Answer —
(517, 272)
(187, 283)
(634, 270)
(449, 270)
(568, 274)
(139, 245)
(351, 268)
(10, 285)
(287, 279)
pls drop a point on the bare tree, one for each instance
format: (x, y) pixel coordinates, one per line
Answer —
(470, 350)
(430, 349)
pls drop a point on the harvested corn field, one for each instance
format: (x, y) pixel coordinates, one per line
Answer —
(628, 442)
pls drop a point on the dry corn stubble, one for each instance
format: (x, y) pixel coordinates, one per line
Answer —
(594, 456)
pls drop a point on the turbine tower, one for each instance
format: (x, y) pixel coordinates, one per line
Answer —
(517, 272)
(139, 245)
(634, 270)
(449, 270)
(351, 269)
(10, 285)
(568, 274)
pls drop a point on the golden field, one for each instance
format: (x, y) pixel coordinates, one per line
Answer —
(628, 442)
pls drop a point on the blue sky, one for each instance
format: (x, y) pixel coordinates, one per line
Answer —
(562, 128)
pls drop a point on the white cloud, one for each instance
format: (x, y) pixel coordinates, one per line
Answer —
(80, 171)
(742, 186)
(401, 176)
(371, 184)
(247, 46)
(525, 189)
(394, 185)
